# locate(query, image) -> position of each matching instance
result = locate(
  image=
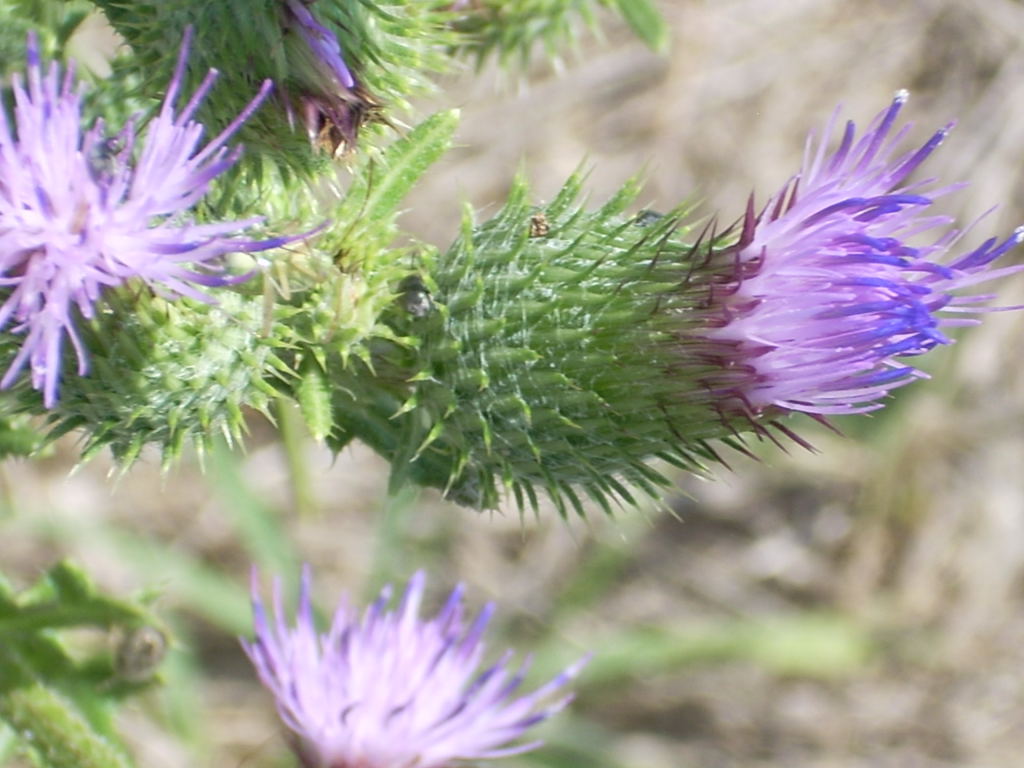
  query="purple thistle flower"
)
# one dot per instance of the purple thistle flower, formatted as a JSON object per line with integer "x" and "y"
{"x": 391, "y": 690}
{"x": 840, "y": 277}
{"x": 79, "y": 215}
{"x": 332, "y": 102}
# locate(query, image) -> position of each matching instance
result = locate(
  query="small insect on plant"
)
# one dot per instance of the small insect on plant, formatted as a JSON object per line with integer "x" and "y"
{"x": 415, "y": 296}
{"x": 539, "y": 225}
{"x": 647, "y": 217}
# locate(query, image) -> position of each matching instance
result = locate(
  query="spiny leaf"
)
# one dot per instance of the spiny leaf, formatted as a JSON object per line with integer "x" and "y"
{"x": 369, "y": 208}
{"x": 514, "y": 29}
{"x": 314, "y": 399}
{"x": 66, "y": 597}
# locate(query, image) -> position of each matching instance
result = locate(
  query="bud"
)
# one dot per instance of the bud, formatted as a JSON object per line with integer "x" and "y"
{"x": 329, "y": 99}
{"x": 334, "y": 64}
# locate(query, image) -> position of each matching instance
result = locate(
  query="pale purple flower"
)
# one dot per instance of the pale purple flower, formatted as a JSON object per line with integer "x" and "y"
{"x": 392, "y": 690}
{"x": 841, "y": 276}
{"x": 81, "y": 212}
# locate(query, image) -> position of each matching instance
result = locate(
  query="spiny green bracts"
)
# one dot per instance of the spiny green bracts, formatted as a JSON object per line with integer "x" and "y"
{"x": 167, "y": 373}
{"x": 511, "y": 29}
{"x": 546, "y": 349}
{"x": 336, "y": 64}
{"x": 182, "y": 374}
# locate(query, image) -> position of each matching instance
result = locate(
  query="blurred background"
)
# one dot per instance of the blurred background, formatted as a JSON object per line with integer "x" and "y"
{"x": 857, "y": 606}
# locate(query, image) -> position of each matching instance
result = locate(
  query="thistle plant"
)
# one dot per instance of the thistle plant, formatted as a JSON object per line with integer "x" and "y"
{"x": 554, "y": 348}
{"x": 211, "y": 232}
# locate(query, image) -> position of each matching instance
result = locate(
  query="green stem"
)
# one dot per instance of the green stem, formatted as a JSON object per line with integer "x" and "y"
{"x": 293, "y": 433}
{"x": 52, "y": 616}
{"x": 390, "y": 560}
{"x": 46, "y": 721}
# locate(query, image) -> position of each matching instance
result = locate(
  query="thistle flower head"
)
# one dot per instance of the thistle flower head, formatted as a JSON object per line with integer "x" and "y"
{"x": 331, "y": 102}
{"x": 843, "y": 275}
{"x": 82, "y": 212}
{"x": 391, "y": 690}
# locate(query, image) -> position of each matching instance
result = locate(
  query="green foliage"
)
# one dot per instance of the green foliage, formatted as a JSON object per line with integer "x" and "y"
{"x": 186, "y": 374}
{"x": 59, "y": 705}
{"x": 19, "y": 436}
{"x": 226, "y": 33}
{"x": 55, "y": 21}
{"x": 65, "y": 597}
{"x": 192, "y": 588}
{"x": 366, "y": 214}
{"x": 399, "y": 47}
{"x": 806, "y": 644}
{"x": 55, "y": 734}
{"x": 345, "y": 324}
{"x": 13, "y": 31}
{"x": 513, "y": 29}
{"x": 335, "y": 317}
{"x": 314, "y": 398}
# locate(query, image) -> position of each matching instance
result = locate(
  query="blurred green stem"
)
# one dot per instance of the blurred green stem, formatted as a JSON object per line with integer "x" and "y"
{"x": 293, "y": 434}
{"x": 47, "y": 721}
{"x": 391, "y": 561}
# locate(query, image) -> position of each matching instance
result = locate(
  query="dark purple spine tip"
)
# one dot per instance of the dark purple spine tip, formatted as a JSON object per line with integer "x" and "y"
{"x": 32, "y": 49}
